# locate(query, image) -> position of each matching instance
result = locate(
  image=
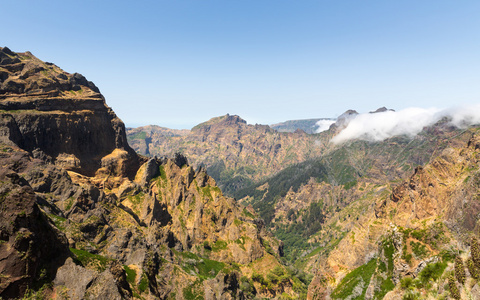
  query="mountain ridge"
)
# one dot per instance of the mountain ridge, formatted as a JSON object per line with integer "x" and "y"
{"x": 120, "y": 226}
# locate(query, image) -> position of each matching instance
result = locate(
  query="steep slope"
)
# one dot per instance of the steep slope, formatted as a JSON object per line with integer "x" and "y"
{"x": 30, "y": 247}
{"x": 235, "y": 153}
{"x": 83, "y": 217}
{"x": 405, "y": 240}
{"x": 56, "y": 116}
{"x": 347, "y": 164}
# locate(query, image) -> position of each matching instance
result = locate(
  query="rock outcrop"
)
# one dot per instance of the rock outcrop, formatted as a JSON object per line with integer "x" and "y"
{"x": 31, "y": 247}
{"x": 56, "y": 116}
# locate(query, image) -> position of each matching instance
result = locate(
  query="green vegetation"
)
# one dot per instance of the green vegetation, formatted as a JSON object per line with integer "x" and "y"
{"x": 163, "y": 174}
{"x": 247, "y": 214}
{"x": 291, "y": 177}
{"x": 139, "y": 136}
{"x": 295, "y": 235}
{"x": 143, "y": 285}
{"x": 69, "y": 204}
{"x": 228, "y": 179}
{"x": 246, "y": 285}
{"x": 454, "y": 292}
{"x": 219, "y": 245}
{"x": 431, "y": 272}
{"x": 58, "y": 221}
{"x": 472, "y": 269}
{"x": 88, "y": 259}
{"x": 358, "y": 277}
{"x": 419, "y": 249}
{"x": 131, "y": 274}
{"x": 202, "y": 267}
{"x": 460, "y": 270}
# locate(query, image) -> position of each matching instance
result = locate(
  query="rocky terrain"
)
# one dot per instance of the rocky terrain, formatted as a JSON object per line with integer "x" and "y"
{"x": 235, "y": 153}
{"x": 339, "y": 214}
{"x": 409, "y": 237}
{"x": 308, "y": 125}
{"x": 361, "y": 222}
{"x": 82, "y": 216}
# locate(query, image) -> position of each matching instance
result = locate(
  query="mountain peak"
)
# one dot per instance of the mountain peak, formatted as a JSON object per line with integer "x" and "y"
{"x": 225, "y": 120}
{"x": 41, "y": 104}
{"x": 381, "y": 109}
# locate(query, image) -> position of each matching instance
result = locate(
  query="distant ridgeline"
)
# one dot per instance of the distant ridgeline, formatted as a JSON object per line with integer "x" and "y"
{"x": 367, "y": 210}
{"x": 82, "y": 216}
{"x": 235, "y": 153}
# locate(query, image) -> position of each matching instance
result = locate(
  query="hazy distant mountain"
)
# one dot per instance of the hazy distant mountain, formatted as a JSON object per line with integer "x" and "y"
{"x": 308, "y": 125}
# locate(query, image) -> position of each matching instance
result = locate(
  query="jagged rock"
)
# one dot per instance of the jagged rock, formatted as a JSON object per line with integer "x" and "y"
{"x": 103, "y": 286}
{"x": 72, "y": 110}
{"x": 147, "y": 171}
{"x": 223, "y": 286}
{"x": 73, "y": 280}
{"x": 29, "y": 244}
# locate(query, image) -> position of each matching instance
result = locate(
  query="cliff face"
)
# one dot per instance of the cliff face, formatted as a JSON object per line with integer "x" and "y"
{"x": 30, "y": 247}
{"x": 83, "y": 217}
{"x": 57, "y": 116}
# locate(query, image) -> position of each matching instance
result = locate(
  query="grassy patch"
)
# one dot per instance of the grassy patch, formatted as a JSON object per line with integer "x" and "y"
{"x": 70, "y": 202}
{"x": 204, "y": 268}
{"x": 248, "y": 214}
{"x": 219, "y": 245}
{"x": 88, "y": 259}
{"x": 143, "y": 285}
{"x": 131, "y": 274}
{"x": 194, "y": 291}
{"x": 58, "y": 221}
{"x": 139, "y": 136}
{"x": 354, "y": 278}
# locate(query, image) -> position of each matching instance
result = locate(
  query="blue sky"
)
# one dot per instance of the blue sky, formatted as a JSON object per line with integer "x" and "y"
{"x": 178, "y": 63}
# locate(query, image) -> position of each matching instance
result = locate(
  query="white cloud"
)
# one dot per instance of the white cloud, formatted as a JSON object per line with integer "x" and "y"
{"x": 324, "y": 125}
{"x": 409, "y": 121}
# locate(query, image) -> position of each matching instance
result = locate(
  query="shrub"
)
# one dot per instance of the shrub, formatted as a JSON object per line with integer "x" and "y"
{"x": 475, "y": 249}
{"x": 459, "y": 270}
{"x": 406, "y": 283}
{"x": 246, "y": 285}
{"x": 474, "y": 272}
{"x": 431, "y": 272}
{"x": 455, "y": 293}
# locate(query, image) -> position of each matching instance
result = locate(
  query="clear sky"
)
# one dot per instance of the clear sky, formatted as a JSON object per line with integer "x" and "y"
{"x": 177, "y": 63}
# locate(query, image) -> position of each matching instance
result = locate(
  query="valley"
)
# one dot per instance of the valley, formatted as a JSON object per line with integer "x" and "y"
{"x": 227, "y": 210}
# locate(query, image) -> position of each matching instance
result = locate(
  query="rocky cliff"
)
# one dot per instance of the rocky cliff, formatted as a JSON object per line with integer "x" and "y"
{"x": 235, "y": 153}
{"x": 56, "y": 116}
{"x": 84, "y": 217}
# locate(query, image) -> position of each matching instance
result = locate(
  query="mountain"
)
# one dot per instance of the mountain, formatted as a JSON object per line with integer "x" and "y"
{"x": 412, "y": 239}
{"x": 333, "y": 214}
{"x": 235, "y": 153}
{"x": 82, "y": 216}
{"x": 359, "y": 220}
{"x": 310, "y": 126}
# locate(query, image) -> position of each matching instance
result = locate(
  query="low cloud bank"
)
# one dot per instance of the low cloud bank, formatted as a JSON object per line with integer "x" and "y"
{"x": 324, "y": 125}
{"x": 409, "y": 121}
